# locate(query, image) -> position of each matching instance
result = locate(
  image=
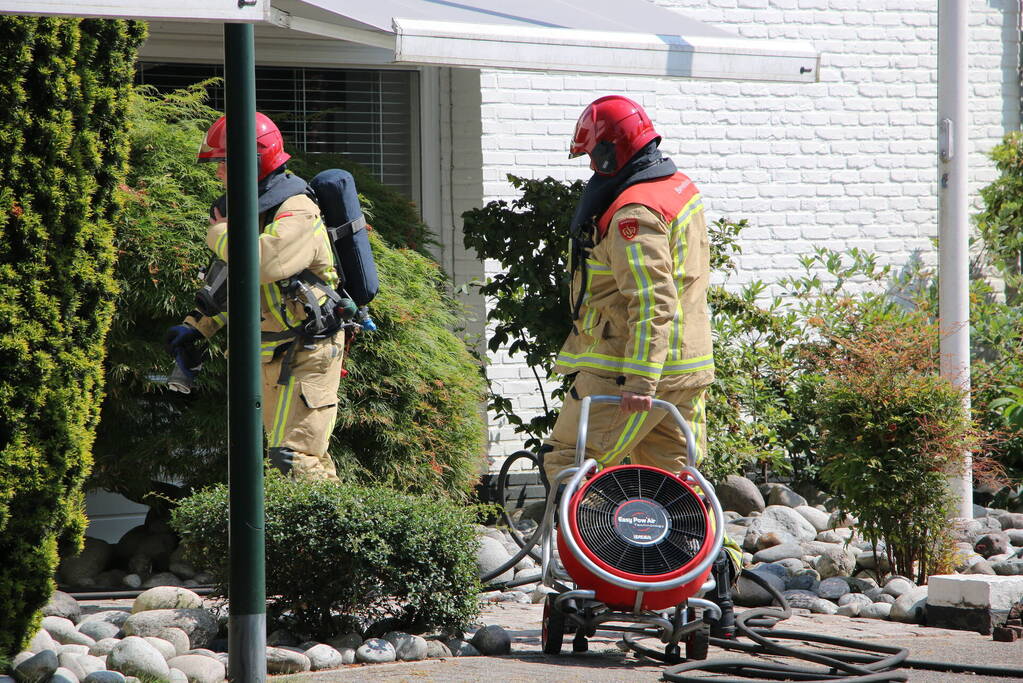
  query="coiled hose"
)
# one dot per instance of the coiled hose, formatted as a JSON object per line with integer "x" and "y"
{"x": 861, "y": 663}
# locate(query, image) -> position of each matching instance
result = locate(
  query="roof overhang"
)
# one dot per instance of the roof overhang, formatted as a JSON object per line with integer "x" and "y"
{"x": 632, "y": 37}
{"x": 243, "y": 11}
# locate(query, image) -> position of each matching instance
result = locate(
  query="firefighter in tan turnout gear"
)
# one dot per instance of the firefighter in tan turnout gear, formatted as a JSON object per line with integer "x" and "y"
{"x": 641, "y": 325}
{"x": 300, "y": 375}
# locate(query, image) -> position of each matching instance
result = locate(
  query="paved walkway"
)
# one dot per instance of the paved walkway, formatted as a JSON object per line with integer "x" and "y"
{"x": 605, "y": 663}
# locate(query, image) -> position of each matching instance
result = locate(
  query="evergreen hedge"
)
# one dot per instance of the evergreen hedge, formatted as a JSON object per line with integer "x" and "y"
{"x": 64, "y": 84}
{"x": 408, "y": 415}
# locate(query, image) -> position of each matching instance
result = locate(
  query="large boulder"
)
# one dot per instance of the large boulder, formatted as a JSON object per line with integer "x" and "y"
{"x": 818, "y": 518}
{"x": 834, "y": 561}
{"x": 200, "y": 626}
{"x": 64, "y": 632}
{"x": 199, "y": 668}
{"x": 1011, "y": 520}
{"x": 749, "y": 593}
{"x": 780, "y": 518}
{"x": 37, "y": 667}
{"x": 783, "y": 495}
{"x": 81, "y": 569}
{"x": 994, "y": 543}
{"x": 779, "y": 552}
{"x": 911, "y": 606}
{"x": 490, "y": 556}
{"x": 322, "y": 656}
{"x": 133, "y": 656}
{"x": 63, "y": 605}
{"x": 282, "y": 660}
{"x": 166, "y": 597}
{"x": 407, "y": 647}
{"x": 492, "y": 640}
{"x": 740, "y": 494}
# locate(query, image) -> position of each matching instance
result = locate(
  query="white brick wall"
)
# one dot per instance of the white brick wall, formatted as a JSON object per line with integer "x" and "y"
{"x": 849, "y": 161}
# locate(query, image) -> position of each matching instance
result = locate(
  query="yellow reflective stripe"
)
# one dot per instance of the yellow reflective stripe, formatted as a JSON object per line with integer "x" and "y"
{"x": 284, "y": 398}
{"x": 699, "y": 424}
{"x": 645, "y": 291}
{"x": 272, "y": 295}
{"x": 220, "y": 247}
{"x": 597, "y": 267}
{"x": 591, "y": 313}
{"x": 613, "y": 363}
{"x": 679, "y": 253}
{"x": 626, "y": 438}
{"x": 687, "y": 365}
{"x": 221, "y": 318}
{"x": 330, "y": 275}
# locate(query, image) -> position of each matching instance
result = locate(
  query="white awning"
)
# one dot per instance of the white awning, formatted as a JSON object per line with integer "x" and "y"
{"x": 244, "y": 11}
{"x": 597, "y": 36}
{"x": 632, "y": 37}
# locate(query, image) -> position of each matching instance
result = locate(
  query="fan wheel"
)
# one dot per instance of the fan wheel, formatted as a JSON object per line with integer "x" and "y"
{"x": 552, "y": 630}
{"x": 697, "y": 643}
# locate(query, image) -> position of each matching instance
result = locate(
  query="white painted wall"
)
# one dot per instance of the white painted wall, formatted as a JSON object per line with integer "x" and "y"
{"x": 849, "y": 161}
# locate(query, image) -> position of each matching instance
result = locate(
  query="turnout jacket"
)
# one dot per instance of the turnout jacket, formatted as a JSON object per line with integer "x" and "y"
{"x": 644, "y": 319}
{"x": 294, "y": 239}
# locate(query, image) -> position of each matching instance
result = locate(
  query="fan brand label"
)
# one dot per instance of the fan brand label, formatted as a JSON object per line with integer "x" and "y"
{"x": 641, "y": 521}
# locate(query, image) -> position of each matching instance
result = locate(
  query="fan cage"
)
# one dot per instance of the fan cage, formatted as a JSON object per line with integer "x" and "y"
{"x": 666, "y": 496}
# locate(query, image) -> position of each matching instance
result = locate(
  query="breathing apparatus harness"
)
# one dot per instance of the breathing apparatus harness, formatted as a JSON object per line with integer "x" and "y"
{"x": 327, "y": 311}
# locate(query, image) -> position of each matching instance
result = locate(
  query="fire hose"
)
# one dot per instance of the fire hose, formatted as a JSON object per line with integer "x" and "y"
{"x": 860, "y": 663}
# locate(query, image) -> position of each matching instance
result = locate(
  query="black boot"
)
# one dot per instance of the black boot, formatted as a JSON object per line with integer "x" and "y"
{"x": 722, "y": 572}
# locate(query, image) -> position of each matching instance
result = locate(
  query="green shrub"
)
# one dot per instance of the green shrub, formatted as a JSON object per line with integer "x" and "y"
{"x": 1001, "y": 222}
{"x": 63, "y": 84}
{"x": 892, "y": 433}
{"x": 409, "y": 414}
{"x": 147, "y": 433}
{"x": 409, "y": 409}
{"x": 339, "y": 557}
{"x": 529, "y": 308}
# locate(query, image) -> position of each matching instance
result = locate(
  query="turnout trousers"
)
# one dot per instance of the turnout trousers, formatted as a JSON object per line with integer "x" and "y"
{"x": 652, "y": 438}
{"x": 299, "y": 415}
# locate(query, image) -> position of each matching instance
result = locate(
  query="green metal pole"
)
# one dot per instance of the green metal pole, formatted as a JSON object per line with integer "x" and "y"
{"x": 247, "y": 625}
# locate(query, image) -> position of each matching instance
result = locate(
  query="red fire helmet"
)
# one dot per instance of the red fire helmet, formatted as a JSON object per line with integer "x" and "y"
{"x": 269, "y": 144}
{"x": 611, "y": 130}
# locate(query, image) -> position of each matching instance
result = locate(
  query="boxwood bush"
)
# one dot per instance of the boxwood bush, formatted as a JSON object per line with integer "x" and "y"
{"x": 340, "y": 557}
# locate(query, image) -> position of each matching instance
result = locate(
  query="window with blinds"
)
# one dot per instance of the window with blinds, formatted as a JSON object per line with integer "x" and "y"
{"x": 368, "y": 115}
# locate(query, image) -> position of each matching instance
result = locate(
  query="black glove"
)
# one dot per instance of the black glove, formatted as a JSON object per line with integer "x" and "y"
{"x": 181, "y": 337}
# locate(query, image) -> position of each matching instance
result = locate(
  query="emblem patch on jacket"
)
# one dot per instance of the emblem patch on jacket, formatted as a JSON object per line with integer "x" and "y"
{"x": 629, "y": 227}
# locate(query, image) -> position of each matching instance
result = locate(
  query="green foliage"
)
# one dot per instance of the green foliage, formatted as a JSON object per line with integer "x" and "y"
{"x": 529, "y": 300}
{"x": 63, "y": 84}
{"x": 1001, "y": 221}
{"x": 892, "y": 434}
{"x": 747, "y": 405}
{"x": 147, "y": 433}
{"x": 408, "y": 411}
{"x": 338, "y": 557}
